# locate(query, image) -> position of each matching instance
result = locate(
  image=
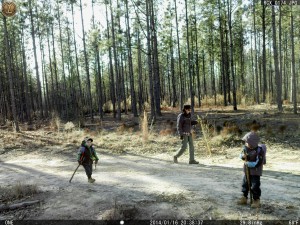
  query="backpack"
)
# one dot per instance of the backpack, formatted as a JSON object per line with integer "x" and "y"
{"x": 262, "y": 149}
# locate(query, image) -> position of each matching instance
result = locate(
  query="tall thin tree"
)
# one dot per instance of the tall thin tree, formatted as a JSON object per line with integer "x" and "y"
{"x": 10, "y": 76}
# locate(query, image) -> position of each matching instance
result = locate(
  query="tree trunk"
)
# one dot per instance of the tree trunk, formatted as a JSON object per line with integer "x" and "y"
{"x": 264, "y": 61}
{"x": 204, "y": 74}
{"x": 131, "y": 77}
{"x": 280, "y": 48}
{"x": 277, "y": 73}
{"x": 179, "y": 60}
{"x": 294, "y": 87}
{"x": 231, "y": 56}
{"x": 90, "y": 100}
{"x": 57, "y": 94}
{"x": 53, "y": 102}
{"x": 98, "y": 77}
{"x": 80, "y": 99}
{"x": 66, "y": 107}
{"x": 27, "y": 98}
{"x": 174, "y": 95}
{"x": 150, "y": 59}
{"x": 227, "y": 64}
{"x": 192, "y": 93}
{"x": 156, "y": 74}
{"x": 197, "y": 59}
{"x": 118, "y": 89}
{"x": 222, "y": 57}
{"x": 39, "y": 90}
{"x": 10, "y": 77}
{"x": 255, "y": 57}
{"x": 140, "y": 74}
{"x": 285, "y": 67}
{"x": 112, "y": 79}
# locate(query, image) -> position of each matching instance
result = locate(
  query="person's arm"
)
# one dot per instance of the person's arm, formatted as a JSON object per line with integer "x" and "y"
{"x": 80, "y": 155}
{"x": 194, "y": 122}
{"x": 256, "y": 163}
{"x": 180, "y": 125}
{"x": 95, "y": 154}
{"x": 243, "y": 154}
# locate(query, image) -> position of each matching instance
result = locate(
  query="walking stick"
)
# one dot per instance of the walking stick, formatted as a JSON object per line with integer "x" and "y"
{"x": 74, "y": 173}
{"x": 248, "y": 179}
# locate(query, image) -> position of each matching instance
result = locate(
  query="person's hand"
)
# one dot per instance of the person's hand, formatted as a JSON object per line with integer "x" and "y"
{"x": 194, "y": 123}
{"x": 181, "y": 137}
{"x": 246, "y": 157}
{"x": 96, "y": 161}
{"x": 79, "y": 162}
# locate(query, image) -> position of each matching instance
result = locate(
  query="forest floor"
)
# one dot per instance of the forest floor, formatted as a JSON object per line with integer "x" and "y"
{"x": 137, "y": 179}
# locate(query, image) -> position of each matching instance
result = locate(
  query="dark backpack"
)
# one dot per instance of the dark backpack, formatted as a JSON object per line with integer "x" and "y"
{"x": 262, "y": 149}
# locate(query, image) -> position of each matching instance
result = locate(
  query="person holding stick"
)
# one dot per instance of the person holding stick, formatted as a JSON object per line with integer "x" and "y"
{"x": 86, "y": 156}
{"x": 253, "y": 166}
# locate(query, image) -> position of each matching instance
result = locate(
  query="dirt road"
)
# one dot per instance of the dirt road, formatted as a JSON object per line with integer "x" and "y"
{"x": 130, "y": 186}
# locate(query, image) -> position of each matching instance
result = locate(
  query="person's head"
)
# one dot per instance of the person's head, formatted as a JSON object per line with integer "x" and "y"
{"x": 251, "y": 140}
{"x": 88, "y": 141}
{"x": 187, "y": 109}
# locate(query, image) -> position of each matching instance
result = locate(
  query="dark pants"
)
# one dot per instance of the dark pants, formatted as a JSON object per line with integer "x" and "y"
{"x": 255, "y": 186}
{"x": 88, "y": 169}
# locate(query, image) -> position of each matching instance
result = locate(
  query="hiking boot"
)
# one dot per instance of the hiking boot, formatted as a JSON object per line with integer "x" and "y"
{"x": 91, "y": 180}
{"x": 255, "y": 204}
{"x": 242, "y": 201}
{"x": 175, "y": 159}
{"x": 193, "y": 162}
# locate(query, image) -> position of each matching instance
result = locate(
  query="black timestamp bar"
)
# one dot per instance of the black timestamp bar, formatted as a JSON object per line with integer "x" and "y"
{"x": 280, "y": 2}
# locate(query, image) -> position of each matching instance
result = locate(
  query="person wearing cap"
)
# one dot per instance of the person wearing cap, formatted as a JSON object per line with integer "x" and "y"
{"x": 254, "y": 161}
{"x": 86, "y": 156}
{"x": 184, "y": 128}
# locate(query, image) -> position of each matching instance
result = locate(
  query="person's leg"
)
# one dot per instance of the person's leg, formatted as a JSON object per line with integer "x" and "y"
{"x": 183, "y": 147}
{"x": 191, "y": 148}
{"x": 245, "y": 189}
{"x": 91, "y": 168}
{"x": 255, "y": 187}
{"x": 88, "y": 170}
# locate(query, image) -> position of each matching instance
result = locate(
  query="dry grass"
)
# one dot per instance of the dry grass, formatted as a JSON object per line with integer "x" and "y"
{"x": 231, "y": 129}
{"x": 119, "y": 138}
{"x": 205, "y": 132}
{"x": 167, "y": 132}
{"x": 178, "y": 198}
{"x": 69, "y": 126}
{"x": 17, "y": 191}
{"x": 55, "y": 122}
{"x": 145, "y": 129}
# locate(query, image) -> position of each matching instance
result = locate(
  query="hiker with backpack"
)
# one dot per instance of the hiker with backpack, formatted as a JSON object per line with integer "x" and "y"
{"x": 184, "y": 129}
{"x": 86, "y": 156}
{"x": 254, "y": 156}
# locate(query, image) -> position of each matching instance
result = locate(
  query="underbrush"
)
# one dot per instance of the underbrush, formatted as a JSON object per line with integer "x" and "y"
{"x": 17, "y": 191}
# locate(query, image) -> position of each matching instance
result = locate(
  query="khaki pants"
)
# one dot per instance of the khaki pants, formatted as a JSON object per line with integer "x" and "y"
{"x": 186, "y": 139}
